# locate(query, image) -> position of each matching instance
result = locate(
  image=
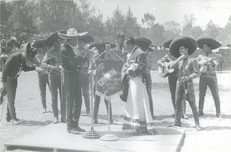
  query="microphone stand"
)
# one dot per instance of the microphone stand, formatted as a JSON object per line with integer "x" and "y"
{"x": 92, "y": 134}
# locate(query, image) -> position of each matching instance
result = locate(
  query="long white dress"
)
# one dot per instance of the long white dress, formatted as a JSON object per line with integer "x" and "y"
{"x": 137, "y": 117}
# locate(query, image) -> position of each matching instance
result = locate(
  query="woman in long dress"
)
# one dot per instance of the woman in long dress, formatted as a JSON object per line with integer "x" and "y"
{"x": 137, "y": 117}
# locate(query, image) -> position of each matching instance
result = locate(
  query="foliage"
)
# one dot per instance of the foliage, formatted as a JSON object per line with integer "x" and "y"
{"x": 43, "y": 17}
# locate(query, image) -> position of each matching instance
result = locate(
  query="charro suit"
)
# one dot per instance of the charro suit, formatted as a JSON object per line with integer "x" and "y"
{"x": 11, "y": 70}
{"x": 50, "y": 62}
{"x": 71, "y": 63}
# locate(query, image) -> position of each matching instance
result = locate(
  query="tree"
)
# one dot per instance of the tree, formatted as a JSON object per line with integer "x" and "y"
{"x": 212, "y": 30}
{"x": 225, "y": 33}
{"x": 118, "y": 18}
{"x": 156, "y": 34}
{"x": 54, "y": 15}
{"x": 148, "y": 20}
{"x": 131, "y": 25}
{"x": 196, "y": 32}
{"x": 21, "y": 22}
{"x": 6, "y": 10}
{"x": 188, "y": 24}
{"x": 172, "y": 30}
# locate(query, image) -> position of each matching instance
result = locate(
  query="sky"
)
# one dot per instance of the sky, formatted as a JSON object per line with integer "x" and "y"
{"x": 170, "y": 10}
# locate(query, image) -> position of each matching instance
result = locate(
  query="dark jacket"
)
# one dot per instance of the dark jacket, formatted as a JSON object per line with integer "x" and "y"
{"x": 14, "y": 64}
{"x": 70, "y": 61}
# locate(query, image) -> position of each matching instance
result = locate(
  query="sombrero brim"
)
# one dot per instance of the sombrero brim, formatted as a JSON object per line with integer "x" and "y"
{"x": 64, "y": 35}
{"x": 175, "y": 45}
{"x": 87, "y": 38}
{"x": 143, "y": 42}
{"x": 213, "y": 43}
{"x": 167, "y": 44}
{"x": 53, "y": 37}
{"x": 39, "y": 44}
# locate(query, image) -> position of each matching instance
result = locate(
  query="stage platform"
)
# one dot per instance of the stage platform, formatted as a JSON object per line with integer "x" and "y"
{"x": 55, "y": 137}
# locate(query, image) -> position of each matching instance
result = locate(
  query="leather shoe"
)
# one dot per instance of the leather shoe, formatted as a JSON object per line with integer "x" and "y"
{"x": 198, "y": 128}
{"x": 218, "y": 114}
{"x": 201, "y": 113}
{"x": 79, "y": 129}
{"x": 175, "y": 124}
{"x": 95, "y": 121}
{"x": 15, "y": 122}
{"x": 63, "y": 120}
{"x": 55, "y": 120}
{"x": 44, "y": 110}
{"x": 72, "y": 131}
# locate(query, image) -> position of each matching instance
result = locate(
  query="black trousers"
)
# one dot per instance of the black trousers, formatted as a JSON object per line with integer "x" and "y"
{"x": 210, "y": 82}
{"x": 73, "y": 98}
{"x": 43, "y": 81}
{"x": 11, "y": 93}
{"x": 149, "y": 90}
{"x": 55, "y": 87}
{"x": 180, "y": 90}
{"x": 172, "y": 80}
{"x": 84, "y": 84}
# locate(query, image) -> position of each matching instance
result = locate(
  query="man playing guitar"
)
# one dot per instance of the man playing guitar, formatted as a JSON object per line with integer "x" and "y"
{"x": 172, "y": 74}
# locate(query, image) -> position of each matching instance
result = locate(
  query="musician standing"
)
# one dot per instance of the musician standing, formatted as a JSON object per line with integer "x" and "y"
{"x": 84, "y": 77}
{"x": 42, "y": 74}
{"x": 181, "y": 48}
{"x": 172, "y": 78}
{"x": 71, "y": 62}
{"x": 51, "y": 63}
{"x": 209, "y": 77}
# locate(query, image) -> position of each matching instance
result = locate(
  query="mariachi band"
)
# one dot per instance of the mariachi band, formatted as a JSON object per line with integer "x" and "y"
{"x": 66, "y": 66}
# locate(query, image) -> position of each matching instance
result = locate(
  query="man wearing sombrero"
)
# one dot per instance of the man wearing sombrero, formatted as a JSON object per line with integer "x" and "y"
{"x": 51, "y": 63}
{"x": 14, "y": 65}
{"x": 71, "y": 62}
{"x": 208, "y": 78}
{"x": 181, "y": 48}
{"x": 172, "y": 78}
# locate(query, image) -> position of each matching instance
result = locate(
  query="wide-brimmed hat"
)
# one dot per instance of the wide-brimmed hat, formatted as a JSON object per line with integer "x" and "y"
{"x": 143, "y": 42}
{"x": 39, "y": 43}
{"x": 71, "y": 34}
{"x": 206, "y": 40}
{"x": 52, "y": 38}
{"x": 86, "y": 38}
{"x": 167, "y": 43}
{"x": 188, "y": 42}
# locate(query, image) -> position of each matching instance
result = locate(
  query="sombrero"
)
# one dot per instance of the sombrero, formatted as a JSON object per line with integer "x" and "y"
{"x": 71, "y": 34}
{"x": 167, "y": 43}
{"x": 86, "y": 38}
{"x": 51, "y": 39}
{"x": 38, "y": 44}
{"x": 143, "y": 42}
{"x": 188, "y": 42}
{"x": 213, "y": 43}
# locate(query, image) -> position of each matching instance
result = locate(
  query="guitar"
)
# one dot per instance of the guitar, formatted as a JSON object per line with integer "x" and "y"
{"x": 204, "y": 63}
{"x": 164, "y": 71}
